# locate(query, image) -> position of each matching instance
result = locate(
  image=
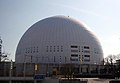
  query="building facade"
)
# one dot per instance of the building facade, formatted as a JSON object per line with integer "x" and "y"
{"x": 56, "y": 41}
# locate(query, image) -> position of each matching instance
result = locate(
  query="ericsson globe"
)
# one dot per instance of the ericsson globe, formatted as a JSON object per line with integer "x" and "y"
{"x": 59, "y": 39}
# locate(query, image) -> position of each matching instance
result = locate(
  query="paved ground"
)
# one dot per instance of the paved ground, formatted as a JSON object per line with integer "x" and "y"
{"x": 97, "y": 80}
{"x": 56, "y": 80}
{"x": 90, "y": 80}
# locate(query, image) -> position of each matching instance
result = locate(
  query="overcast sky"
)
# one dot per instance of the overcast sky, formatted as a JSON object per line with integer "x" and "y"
{"x": 102, "y": 16}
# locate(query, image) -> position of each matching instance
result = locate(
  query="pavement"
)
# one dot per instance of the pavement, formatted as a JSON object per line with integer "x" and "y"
{"x": 97, "y": 80}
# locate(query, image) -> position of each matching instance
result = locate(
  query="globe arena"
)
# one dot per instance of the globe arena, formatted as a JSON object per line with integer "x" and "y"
{"x": 57, "y": 40}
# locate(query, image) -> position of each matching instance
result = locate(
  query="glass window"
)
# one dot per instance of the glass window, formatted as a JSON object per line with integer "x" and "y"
{"x": 86, "y": 47}
{"x": 86, "y": 51}
{"x": 74, "y": 55}
{"x": 61, "y": 48}
{"x": 73, "y": 59}
{"x": 34, "y": 50}
{"x": 54, "y": 48}
{"x": 37, "y": 49}
{"x": 74, "y": 50}
{"x": 74, "y": 46}
{"x": 86, "y": 55}
{"x": 57, "y": 48}
{"x": 50, "y": 48}
{"x": 79, "y": 48}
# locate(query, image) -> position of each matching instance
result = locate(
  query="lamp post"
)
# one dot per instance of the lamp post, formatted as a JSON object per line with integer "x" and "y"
{"x": 48, "y": 70}
{"x": 59, "y": 64}
{"x": 11, "y": 67}
{"x": 81, "y": 65}
{"x": 24, "y": 67}
{"x": 36, "y": 65}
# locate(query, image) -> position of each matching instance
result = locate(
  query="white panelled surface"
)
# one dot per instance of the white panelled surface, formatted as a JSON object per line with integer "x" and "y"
{"x": 59, "y": 39}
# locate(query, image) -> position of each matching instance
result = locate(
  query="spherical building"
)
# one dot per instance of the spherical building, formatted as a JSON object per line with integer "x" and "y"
{"x": 59, "y": 40}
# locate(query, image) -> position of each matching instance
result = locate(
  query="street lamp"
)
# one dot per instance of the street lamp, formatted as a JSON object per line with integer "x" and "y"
{"x": 81, "y": 61}
{"x": 11, "y": 67}
{"x": 24, "y": 66}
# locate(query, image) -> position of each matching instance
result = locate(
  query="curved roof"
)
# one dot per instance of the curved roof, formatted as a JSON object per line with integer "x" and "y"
{"x": 59, "y": 30}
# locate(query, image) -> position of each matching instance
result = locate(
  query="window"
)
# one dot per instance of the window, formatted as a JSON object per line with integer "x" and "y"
{"x": 61, "y": 48}
{"x": 74, "y": 46}
{"x": 74, "y": 50}
{"x": 54, "y": 49}
{"x": 86, "y": 55}
{"x": 57, "y": 48}
{"x": 34, "y": 50}
{"x": 86, "y": 47}
{"x": 31, "y": 50}
{"x": 74, "y": 55}
{"x": 86, "y": 51}
{"x": 82, "y": 49}
{"x": 73, "y": 59}
{"x": 50, "y": 48}
{"x": 37, "y": 49}
{"x": 79, "y": 48}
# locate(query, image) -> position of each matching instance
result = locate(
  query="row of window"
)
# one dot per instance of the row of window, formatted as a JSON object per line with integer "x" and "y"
{"x": 85, "y": 60}
{"x": 54, "y": 48}
{"x": 85, "y": 47}
{"x": 76, "y": 55}
{"x": 32, "y": 50}
{"x": 85, "y": 51}
{"x": 86, "y": 55}
{"x": 74, "y": 46}
{"x": 73, "y": 59}
{"x": 74, "y": 50}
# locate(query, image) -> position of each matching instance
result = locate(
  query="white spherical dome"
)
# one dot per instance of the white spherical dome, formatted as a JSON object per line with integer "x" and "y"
{"x": 59, "y": 39}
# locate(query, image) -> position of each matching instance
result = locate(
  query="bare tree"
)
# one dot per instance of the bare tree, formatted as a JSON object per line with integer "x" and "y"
{"x": 110, "y": 59}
